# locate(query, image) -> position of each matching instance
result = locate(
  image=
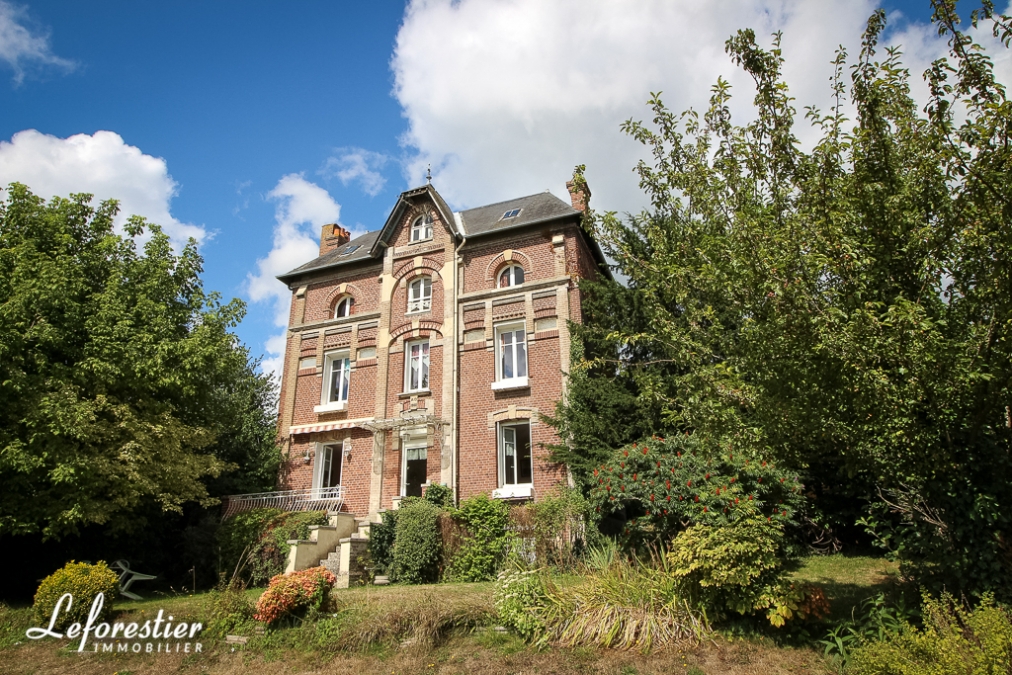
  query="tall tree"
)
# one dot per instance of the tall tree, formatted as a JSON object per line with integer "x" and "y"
{"x": 121, "y": 385}
{"x": 849, "y": 306}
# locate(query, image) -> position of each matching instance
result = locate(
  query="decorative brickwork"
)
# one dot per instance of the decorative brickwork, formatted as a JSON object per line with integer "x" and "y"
{"x": 426, "y": 401}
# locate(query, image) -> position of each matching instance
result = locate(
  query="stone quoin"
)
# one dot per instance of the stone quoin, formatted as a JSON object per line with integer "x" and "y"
{"x": 423, "y": 352}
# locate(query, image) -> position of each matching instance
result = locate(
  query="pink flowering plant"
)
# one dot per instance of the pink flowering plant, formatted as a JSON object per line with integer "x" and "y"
{"x": 662, "y": 486}
{"x": 290, "y": 595}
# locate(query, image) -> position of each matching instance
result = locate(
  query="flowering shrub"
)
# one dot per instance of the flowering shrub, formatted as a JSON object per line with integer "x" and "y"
{"x": 664, "y": 485}
{"x": 290, "y": 593}
{"x": 83, "y": 582}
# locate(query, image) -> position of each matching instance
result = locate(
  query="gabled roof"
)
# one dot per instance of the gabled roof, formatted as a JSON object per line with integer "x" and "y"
{"x": 533, "y": 209}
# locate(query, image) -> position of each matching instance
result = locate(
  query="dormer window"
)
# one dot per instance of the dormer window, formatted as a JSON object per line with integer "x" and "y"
{"x": 420, "y": 295}
{"x": 343, "y": 308}
{"x": 421, "y": 229}
{"x": 512, "y": 275}
{"x": 512, "y": 213}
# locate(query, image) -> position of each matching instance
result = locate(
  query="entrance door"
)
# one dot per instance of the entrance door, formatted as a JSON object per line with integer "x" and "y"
{"x": 328, "y": 468}
{"x": 415, "y": 470}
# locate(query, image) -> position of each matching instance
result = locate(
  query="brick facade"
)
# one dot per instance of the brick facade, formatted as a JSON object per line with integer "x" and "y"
{"x": 386, "y": 438}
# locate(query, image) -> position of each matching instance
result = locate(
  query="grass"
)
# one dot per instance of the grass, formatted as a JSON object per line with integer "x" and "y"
{"x": 847, "y": 580}
{"x": 443, "y": 629}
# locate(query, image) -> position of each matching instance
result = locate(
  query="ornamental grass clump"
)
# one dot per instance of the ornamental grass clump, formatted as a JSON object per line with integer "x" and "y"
{"x": 294, "y": 594}
{"x": 628, "y": 605}
{"x": 84, "y": 582}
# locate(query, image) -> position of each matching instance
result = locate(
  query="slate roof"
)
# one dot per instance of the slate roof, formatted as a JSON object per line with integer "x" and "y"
{"x": 534, "y": 209}
{"x": 337, "y": 256}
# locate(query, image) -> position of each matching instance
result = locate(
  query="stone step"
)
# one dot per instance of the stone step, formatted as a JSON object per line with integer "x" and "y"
{"x": 381, "y": 580}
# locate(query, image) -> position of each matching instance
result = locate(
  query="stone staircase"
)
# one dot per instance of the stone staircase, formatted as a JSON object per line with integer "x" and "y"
{"x": 338, "y": 546}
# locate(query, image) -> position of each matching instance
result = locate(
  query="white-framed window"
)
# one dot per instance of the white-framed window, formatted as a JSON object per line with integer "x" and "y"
{"x": 336, "y": 378}
{"x": 414, "y": 466}
{"x": 511, "y": 356}
{"x": 421, "y": 229}
{"x": 327, "y": 474}
{"x": 420, "y": 295}
{"x": 516, "y": 461}
{"x": 416, "y": 366}
{"x": 343, "y": 308}
{"x": 512, "y": 275}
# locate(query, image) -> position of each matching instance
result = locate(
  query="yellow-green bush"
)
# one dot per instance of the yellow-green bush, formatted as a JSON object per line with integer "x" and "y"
{"x": 954, "y": 640}
{"x": 83, "y": 582}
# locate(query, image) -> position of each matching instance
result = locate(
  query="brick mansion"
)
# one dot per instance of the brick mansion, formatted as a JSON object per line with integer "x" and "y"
{"x": 424, "y": 352}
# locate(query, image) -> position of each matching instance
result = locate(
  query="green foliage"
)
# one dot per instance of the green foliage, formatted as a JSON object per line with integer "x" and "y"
{"x": 255, "y": 542}
{"x": 662, "y": 485}
{"x": 417, "y": 546}
{"x": 13, "y": 624}
{"x": 735, "y": 565}
{"x": 231, "y": 612}
{"x": 440, "y": 495}
{"x": 878, "y": 619}
{"x": 520, "y": 598}
{"x": 84, "y": 582}
{"x": 610, "y": 401}
{"x": 846, "y": 309}
{"x": 624, "y": 606}
{"x": 381, "y": 542}
{"x": 558, "y": 523}
{"x": 486, "y": 542}
{"x": 953, "y": 640}
{"x": 123, "y": 389}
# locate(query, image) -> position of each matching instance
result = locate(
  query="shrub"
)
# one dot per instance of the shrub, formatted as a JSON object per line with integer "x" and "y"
{"x": 381, "y": 542}
{"x": 737, "y": 565}
{"x": 520, "y": 598}
{"x": 231, "y": 612}
{"x": 662, "y": 485}
{"x": 84, "y": 582}
{"x": 954, "y": 640}
{"x": 439, "y": 495}
{"x": 626, "y": 605}
{"x": 290, "y": 594}
{"x": 551, "y": 531}
{"x": 255, "y": 542}
{"x": 417, "y": 546}
{"x": 485, "y": 543}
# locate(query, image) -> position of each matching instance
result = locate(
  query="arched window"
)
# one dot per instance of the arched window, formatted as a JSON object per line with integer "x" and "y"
{"x": 512, "y": 275}
{"x": 420, "y": 295}
{"x": 343, "y": 307}
{"x": 421, "y": 229}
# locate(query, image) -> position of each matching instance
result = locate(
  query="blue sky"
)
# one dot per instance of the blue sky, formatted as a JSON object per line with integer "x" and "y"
{"x": 250, "y": 124}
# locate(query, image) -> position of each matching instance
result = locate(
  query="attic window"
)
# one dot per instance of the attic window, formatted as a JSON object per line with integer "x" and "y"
{"x": 351, "y": 249}
{"x": 512, "y": 213}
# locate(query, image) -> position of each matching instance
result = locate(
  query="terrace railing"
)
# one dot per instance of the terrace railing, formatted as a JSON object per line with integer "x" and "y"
{"x": 308, "y": 499}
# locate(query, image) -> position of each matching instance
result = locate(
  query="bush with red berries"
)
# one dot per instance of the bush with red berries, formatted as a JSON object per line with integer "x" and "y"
{"x": 662, "y": 486}
{"x": 294, "y": 594}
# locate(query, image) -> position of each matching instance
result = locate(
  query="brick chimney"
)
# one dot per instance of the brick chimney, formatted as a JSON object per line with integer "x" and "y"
{"x": 332, "y": 236}
{"x": 579, "y": 193}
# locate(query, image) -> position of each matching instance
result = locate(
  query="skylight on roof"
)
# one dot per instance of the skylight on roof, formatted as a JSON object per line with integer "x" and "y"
{"x": 512, "y": 213}
{"x": 351, "y": 249}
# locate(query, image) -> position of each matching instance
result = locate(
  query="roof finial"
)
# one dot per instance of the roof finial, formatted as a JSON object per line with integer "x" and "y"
{"x": 428, "y": 175}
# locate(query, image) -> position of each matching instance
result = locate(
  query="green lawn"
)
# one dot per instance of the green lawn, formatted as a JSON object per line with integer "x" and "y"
{"x": 443, "y": 628}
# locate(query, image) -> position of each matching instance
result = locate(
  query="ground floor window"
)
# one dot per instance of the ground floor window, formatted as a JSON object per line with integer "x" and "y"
{"x": 516, "y": 462}
{"x": 414, "y": 470}
{"x": 328, "y": 467}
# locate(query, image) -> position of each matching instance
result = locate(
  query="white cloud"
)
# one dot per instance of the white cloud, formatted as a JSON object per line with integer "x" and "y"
{"x": 357, "y": 164}
{"x": 303, "y": 208}
{"x": 21, "y": 48}
{"x": 504, "y": 97}
{"x": 101, "y": 164}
